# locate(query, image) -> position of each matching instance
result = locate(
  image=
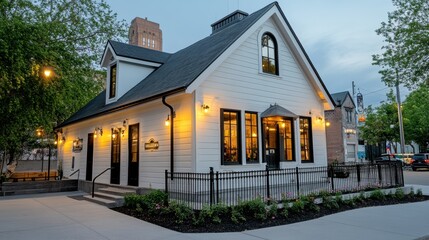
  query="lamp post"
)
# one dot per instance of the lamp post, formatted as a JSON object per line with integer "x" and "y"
{"x": 401, "y": 124}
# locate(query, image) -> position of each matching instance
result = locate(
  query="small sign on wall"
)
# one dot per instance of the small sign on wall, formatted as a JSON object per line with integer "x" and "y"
{"x": 151, "y": 145}
{"x": 77, "y": 145}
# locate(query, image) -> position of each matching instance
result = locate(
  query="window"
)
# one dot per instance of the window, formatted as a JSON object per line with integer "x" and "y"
{"x": 116, "y": 144}
{"x": 286, "y": 140}
{"x": 112, "y": 92}
{"x": 230, "y": 134}
{"x": 306, "y": 139}
{"x": 144, "y": 41}
{"x": 252, "y": 148}
{"x": 349, "y": 115}
{"x": 269, "y": 54}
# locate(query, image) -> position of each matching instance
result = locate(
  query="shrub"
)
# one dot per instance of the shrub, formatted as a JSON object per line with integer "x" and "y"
{"x": 377, "y": 195}
{"x": 297, "y": 206}
{"x": 272, "y": 210}
{"x": 399, "y": 194}
{"x": 411, "y": 194}
{"x": 252, "y": 208}
{"x": 237, "y": 216}
{"x": 132, "y": 200}
{"x": 212, "y": 213}
{"x": 181, "y": 211}
{"x": 330, "y": 202}
{"x": 419, "y": 193}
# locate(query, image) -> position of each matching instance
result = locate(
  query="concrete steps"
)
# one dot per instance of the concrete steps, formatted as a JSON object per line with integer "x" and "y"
{"x": 110, "y": 196}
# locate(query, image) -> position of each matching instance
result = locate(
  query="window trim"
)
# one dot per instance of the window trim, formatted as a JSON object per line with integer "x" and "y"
{"x": 222, "y": 136}
{"x": 276, "y": 55}
{"x": 257, "y": 137}
{"x": 310, "y": 140}
{"x": 112, "y": 94}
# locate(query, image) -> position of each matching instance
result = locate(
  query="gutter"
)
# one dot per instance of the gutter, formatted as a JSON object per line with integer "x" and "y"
{"x": 171, "y": 135}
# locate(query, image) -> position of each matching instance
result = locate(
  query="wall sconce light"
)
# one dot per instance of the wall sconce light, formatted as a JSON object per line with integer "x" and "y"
{"x": 205, "y": 108}
{"x": 167, "y": 121}
{"x": 98, "y": 131}
{"x": 328, "y": 123}
{"x": 125, "y": 123}
{"x": 115, "y": 132}
{"x": 319, "y": 119}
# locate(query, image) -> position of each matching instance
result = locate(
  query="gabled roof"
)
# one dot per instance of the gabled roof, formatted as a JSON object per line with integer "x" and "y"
{"x": 139, "y": 53}
{"x": 177, "y": 71}
{"x": 340, "y": 97}
{"x": 278, "y": 111}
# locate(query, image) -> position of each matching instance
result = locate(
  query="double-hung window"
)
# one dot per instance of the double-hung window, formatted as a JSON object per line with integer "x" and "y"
{"x": 230, "y": 137}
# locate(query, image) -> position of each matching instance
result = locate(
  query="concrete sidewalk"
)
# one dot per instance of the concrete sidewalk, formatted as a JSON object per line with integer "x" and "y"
{"x": 59, "y": 216}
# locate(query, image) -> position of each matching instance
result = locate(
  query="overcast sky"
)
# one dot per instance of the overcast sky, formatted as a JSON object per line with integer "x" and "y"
{"x": 338, "y": 35}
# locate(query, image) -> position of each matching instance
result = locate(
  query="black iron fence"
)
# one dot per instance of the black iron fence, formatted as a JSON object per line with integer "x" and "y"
{"x": 198, "y": 189}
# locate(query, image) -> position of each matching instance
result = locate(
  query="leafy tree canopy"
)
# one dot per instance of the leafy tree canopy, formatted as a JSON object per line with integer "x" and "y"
{"x": 382, "y": 122}
{"x": 66, "y": 37}
{"x": 416, "y": 117}
{"x": 405, "y": 56}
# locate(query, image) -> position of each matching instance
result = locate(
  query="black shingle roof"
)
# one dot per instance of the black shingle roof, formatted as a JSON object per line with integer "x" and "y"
{"x": 178, "y": 70}
{"x": 340, "y": 97}
{"x": 139, "y": 53}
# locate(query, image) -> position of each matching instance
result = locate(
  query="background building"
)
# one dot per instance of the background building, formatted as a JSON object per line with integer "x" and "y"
{"x": 341, "y": 137}
{"x": 145, "y": 33}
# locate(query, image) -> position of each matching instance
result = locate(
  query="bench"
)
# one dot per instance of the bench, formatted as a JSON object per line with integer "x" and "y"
{"x": 32, "y": 176}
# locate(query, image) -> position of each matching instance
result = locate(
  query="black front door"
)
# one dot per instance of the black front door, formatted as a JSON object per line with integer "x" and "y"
{"x": 271, "y": 143}
{"x": 133, "y": 155}
{"x": 89, "y": 157}
{"x": 115, "y": 162}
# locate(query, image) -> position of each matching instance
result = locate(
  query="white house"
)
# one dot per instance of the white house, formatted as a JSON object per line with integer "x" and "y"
{"x": 242, "y": 98}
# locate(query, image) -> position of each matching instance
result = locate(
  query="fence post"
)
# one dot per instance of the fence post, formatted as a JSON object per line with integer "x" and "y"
{"x": 358, "y": 174}
{"x": 379, "y": 174}
{"x": 268, "y": 182}
{"x": 297, "y": 181}
{"x": 211, "y": 186}
{"x": 166, "y": 188}
{"x": 217, "y": 187}
{"x": 331, "y": 169}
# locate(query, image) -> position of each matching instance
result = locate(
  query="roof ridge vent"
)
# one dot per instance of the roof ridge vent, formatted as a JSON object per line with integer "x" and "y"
{"x": 228, "y": 20}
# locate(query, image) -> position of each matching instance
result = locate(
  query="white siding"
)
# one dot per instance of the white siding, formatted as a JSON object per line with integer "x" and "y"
{"x": 152, "y": 164}
{"x": 128, "y": 75}
{"x": 238, "y": 84}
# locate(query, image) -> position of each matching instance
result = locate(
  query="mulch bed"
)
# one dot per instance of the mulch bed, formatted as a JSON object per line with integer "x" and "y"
{"x": 226, "y": 225}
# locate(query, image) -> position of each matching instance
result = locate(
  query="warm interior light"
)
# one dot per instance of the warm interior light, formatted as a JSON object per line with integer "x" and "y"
{"x": 328, "y": 124}
{"x": 167, "y": 121}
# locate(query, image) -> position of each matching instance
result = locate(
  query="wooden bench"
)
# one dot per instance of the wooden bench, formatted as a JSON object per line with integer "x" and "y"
{"x": 32, "y": 176}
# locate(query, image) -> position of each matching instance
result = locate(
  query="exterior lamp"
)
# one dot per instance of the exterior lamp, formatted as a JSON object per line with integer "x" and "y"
{"x": 167, "y": 121}
{"x": 98, "y": 131}
{"x": 205, "y": 108}
{"x": 328, "y": 123}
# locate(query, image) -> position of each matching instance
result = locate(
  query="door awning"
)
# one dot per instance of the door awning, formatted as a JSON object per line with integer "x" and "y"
{"x": 278, "y": 111}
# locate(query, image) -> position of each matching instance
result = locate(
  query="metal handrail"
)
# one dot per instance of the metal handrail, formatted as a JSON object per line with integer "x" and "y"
{"x": 73, "y": 173}
{"x": 93, "y": 180}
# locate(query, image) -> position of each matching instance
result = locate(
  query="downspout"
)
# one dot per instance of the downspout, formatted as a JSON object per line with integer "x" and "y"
{"x": 171, "y": 136}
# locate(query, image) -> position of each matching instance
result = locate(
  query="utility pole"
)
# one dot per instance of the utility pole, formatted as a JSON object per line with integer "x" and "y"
{"x": 401, "y": 124}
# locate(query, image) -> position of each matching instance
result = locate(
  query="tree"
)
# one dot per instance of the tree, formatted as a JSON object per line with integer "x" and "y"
{"x": 382, "y": 122}
{"x": 416, "y": 119}
{"x": 65, "y": 36}
{"x": 405, "y": 59}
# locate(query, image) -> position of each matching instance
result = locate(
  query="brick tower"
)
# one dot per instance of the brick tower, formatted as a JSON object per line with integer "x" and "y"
{"x": 145, "y": 33}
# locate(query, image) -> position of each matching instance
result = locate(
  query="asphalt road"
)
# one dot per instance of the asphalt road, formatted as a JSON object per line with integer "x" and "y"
{"x": 420, "y": 177}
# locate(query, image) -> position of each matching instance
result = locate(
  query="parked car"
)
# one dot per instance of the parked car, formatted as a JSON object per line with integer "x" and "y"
{"x": 420, "y": 160}
{"x": 406, "y": 158}
{"x": 384, "y": 158}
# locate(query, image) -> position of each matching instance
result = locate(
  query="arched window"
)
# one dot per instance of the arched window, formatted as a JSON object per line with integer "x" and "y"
{"x": 269, "y": 54}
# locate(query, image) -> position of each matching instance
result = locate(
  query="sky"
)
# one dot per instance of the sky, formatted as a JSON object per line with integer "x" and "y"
{"x": 338, "y": 35}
